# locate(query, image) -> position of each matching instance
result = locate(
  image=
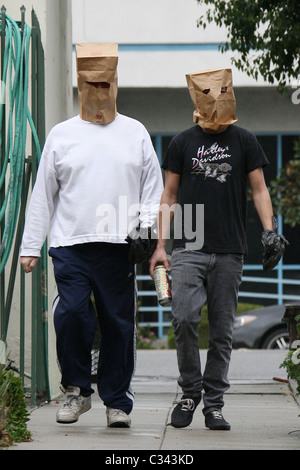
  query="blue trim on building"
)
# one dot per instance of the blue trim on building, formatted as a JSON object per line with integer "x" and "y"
{"x": 169, "y": 47}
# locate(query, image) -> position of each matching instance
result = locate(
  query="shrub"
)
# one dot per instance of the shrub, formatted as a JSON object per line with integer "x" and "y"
{"x": 13, "y": 410}
{"x": 291, "y": 364}
{"x": 144, "y": 337}
{"x": 292, "y": 360}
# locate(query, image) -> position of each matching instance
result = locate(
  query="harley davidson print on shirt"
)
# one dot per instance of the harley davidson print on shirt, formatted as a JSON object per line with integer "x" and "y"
{"x": 204, "y": 162}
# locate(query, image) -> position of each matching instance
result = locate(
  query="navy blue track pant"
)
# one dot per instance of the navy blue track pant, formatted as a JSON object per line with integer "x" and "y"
{"x": 101, "y": 269}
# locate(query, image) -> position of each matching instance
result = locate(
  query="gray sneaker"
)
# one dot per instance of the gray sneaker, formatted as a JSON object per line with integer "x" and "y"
{"x": 74, "y": 406}
{"x": 117, "y": 418}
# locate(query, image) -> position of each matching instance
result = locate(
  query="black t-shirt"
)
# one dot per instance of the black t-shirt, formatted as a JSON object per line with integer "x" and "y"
{"x": 213, "y": 169}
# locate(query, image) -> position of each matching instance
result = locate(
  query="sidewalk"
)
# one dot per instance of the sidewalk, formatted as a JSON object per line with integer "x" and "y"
{"x": 262, "y": 411}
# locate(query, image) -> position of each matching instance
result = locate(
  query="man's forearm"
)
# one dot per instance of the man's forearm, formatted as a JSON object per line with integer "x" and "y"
{"x": 261, "y": 198}
{"x": 263, "y": 206}
{"x": 166, "y": 216}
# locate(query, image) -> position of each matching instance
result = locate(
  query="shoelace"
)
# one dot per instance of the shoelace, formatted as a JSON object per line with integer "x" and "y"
{"x": 187, "y": 404}
{"x": 117, "y": 412}
{"x": 217, "y": 414}
{"x": 71, "y": 402}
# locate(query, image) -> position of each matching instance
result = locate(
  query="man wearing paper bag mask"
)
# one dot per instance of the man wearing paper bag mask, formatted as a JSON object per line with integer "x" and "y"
{"x": 97, "y": 82}
{"x": 210, "y": 164}
{"x": 98, "y": 180}
{"x": 213, "y": 97}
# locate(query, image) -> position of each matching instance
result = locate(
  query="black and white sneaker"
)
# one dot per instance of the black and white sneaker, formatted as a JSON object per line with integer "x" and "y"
{"x": 215, "y": 421}
{"x": 183, "y": 412}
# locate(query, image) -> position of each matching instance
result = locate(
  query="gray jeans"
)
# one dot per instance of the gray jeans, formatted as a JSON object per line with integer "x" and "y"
{"x": 199, "y": 278}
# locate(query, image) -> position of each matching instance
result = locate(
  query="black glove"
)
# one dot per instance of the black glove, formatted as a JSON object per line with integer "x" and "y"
{"x": 142, "y": 244}
{"x": 273, "y": 246}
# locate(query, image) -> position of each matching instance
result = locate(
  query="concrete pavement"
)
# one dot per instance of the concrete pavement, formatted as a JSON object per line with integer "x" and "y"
{"x": 263, "y": 413}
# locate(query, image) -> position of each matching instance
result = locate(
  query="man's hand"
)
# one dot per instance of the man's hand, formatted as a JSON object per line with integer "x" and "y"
{"x": 159, "y": 256}
{"x": 273, "y": 247}
{"x": 28, "y": 263}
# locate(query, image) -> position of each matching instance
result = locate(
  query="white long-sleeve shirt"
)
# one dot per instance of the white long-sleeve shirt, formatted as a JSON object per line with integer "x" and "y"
{"x": 95, "y": 183}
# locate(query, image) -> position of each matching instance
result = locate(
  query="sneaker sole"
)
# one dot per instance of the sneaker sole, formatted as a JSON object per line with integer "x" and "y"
{"x": 61, "y": 421}
{"x": 179, "y": 426}
{"x": 219, "y": 428}
{"x": 120, "y": 424}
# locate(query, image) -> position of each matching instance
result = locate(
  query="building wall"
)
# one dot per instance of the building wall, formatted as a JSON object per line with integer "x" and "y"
{"x": 140, "y": 22}
{"x": 159, "y": 42}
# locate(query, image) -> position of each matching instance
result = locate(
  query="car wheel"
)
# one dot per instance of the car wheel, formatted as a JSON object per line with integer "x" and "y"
{"x": 278, "y": 339}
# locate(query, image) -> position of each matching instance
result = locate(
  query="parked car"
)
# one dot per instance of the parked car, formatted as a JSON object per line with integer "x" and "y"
{"x": 261, "y": 328}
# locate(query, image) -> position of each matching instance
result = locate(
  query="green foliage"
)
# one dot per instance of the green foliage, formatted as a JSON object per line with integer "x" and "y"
{"x": 145, "y": 337}
{"x": 265, "y": 34}
{"x": 285, "y": 190}
{"x": 292, "y": 366}
{"x": 291, "y": 362}
{"x": 204, "y": 327}
{"x": 297, "y": 318}
{"x": 13, "y": 410}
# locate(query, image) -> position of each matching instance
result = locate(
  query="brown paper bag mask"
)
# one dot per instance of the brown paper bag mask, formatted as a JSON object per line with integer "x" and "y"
{"x": 97, "y": 81}
{"x": 212, "y": 94}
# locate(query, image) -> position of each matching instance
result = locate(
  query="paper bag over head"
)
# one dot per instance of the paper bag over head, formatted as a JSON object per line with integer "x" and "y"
{"x": 97, "y": 81}
{"x": 213, "y": 97}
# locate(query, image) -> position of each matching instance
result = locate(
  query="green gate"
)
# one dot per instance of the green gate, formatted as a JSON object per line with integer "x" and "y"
{"x": 22, "y": 137}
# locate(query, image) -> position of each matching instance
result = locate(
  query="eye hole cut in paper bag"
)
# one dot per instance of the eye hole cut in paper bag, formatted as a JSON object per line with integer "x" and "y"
{"x": 212, "y": 94}
{"x": 97, "y": 81}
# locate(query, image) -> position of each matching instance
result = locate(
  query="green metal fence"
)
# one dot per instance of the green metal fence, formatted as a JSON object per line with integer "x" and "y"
{"x": 22, "y": 76}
